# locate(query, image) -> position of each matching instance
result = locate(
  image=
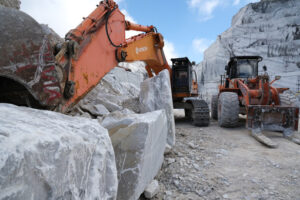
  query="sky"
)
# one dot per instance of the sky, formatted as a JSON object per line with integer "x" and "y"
{"x": 188, "y": 26}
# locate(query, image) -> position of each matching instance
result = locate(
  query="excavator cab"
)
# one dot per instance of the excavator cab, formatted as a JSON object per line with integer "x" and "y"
{"x": 182, "y": 79}
{"x": 185, "y": 92}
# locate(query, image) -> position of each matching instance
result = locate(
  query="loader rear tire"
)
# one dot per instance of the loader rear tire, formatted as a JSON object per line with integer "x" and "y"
{"x": 228, "y": 109}
{"x": 287, "y": 98}
{"x": 214, "y": 107}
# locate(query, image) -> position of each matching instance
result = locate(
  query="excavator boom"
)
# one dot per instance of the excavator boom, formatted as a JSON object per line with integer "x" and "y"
{"x": 90, "y": 51}
{"x": 148, "y": 48}
{"x": 37, "y": 73}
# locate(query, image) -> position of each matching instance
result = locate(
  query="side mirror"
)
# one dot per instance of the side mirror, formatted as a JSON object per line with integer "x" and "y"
{"x": 277, "y": 78}
{"x": 226, "y": 67}
{"x": 193, "y": 63}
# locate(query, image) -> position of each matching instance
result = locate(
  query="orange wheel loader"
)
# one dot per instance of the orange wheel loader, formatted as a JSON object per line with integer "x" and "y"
{"x": 36, "y": 73}
{"x": 243, "y": 91}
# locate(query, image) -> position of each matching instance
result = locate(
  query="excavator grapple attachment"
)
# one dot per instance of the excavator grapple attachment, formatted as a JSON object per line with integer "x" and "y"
{"x": 28, "y": 74}
{"x": 273, "y": 118}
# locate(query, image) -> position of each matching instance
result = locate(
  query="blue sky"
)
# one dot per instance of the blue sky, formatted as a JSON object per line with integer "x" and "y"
{"x": 188, "y": 26}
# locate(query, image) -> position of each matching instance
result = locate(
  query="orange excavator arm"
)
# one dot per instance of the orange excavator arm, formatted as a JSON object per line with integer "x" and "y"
{"x": 98, "y": 44}
{"x": 35, "y": 73}
{"x": 89, "y": 51}
{"x": 147, "y": 47}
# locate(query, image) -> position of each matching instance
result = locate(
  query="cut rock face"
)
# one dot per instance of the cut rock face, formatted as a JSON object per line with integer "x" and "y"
{"x": 267, "y": 28}
{"x": 139, "y": 142}
{"x": 47, "y": 155}
{"x": 11, "y": 3}
{"x": 96, "y": 110}
{"x": 119, "y": 89}
{"x": 156, "y": 94}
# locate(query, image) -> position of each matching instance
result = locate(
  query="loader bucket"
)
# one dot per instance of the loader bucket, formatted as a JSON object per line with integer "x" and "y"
{"x": 273, "y": 118}
{"x": 28, "y": 74}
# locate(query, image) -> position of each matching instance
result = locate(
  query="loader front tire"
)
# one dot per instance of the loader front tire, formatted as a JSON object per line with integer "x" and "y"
{"x": 214, "y": 107}
{"x": 228, "y": 109}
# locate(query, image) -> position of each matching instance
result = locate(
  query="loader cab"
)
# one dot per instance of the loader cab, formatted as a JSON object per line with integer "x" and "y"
{"x": 243, "y": 67}
{"x": 181, "y": 76}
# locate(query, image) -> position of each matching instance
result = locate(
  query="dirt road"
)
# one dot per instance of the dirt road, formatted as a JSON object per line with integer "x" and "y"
{"x": 218, "y": 163}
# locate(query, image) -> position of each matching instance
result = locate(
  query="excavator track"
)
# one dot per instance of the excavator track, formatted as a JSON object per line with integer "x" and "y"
{"x": 200, "y": 112}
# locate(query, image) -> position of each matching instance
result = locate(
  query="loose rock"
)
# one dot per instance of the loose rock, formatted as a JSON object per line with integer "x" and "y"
{"x": 96, "y": 110}
{"x": 152, "y": 189}
{"x": 156, "y": 94}
{"x": 48, "y": 155}
{"x": 139, "y": 142}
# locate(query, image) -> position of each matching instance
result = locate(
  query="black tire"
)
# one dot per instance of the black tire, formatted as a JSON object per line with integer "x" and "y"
{"x": 214, "y": 107}
{"x": 200, "y": 113}
{"x": 288, "y": 98}
{"x": 188, "y": 113}
{"x": 228, "y": 109}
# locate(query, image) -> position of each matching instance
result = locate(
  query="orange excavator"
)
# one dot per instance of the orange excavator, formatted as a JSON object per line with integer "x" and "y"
{"x": 34, "y": 72}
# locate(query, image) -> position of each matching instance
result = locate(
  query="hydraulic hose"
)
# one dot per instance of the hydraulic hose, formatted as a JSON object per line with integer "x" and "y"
{"x": 107, "y": 17}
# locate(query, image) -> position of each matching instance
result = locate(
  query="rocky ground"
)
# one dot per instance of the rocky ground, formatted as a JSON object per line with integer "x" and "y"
{"x": 218, "y": 163}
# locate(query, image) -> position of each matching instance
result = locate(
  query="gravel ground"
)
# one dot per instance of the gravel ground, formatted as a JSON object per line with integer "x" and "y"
{"x": 218, "y": 163}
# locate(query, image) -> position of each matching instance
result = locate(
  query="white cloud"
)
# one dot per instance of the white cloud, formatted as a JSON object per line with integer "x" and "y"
{"x": 201, "y": 44}
{"x": 169, "y": 51}
{"x": 252, "y": 1}
{"x": 236, "y": 2}
{"x": 61, "y": 16}
{"x": 209, "y": 6}
{"x": 205, "y": 8}
{"x": 118, "y": 1}
{"x": 128, "y": 17}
